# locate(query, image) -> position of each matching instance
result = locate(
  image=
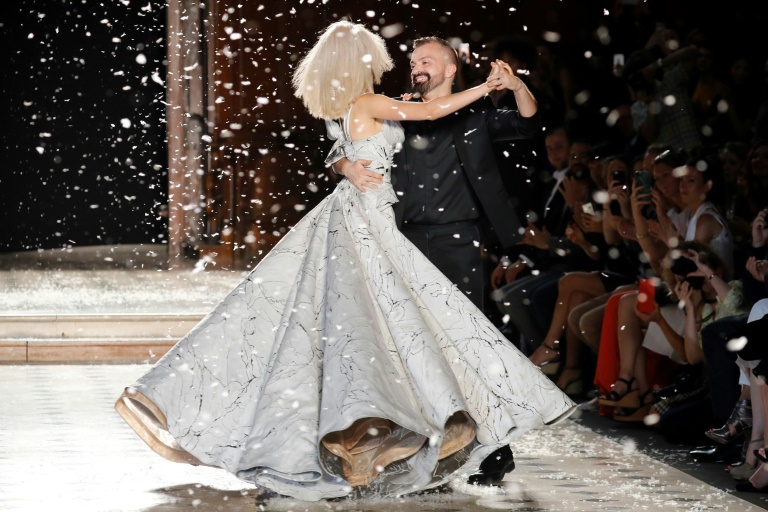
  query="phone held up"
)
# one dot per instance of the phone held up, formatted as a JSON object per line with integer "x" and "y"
{"x": 464, "y": 52}
{"x": 617, "y": 178}
{"x": 644, "y": 182}
{"x": 646, "y": 295}
{"x": 618, "y": 64}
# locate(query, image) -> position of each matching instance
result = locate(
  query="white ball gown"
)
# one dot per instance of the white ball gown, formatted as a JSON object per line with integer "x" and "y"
{"x": 344, "y": 362}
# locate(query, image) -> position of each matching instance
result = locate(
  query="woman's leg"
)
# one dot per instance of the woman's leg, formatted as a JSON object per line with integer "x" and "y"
{"x": 608, "y": 357}
{"x": 586, "y": 320}
{"x": 572, "y": 370}
{"x": 573, "y": 289}
{"x": 630, "y": 340}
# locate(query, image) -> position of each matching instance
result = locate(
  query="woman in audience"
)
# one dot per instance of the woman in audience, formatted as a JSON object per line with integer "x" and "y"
{"x": 705, "y": 296}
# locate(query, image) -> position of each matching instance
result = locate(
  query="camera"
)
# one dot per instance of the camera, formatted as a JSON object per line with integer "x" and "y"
{"x": 683, "y": 266}
{"x": 619, "y": 178}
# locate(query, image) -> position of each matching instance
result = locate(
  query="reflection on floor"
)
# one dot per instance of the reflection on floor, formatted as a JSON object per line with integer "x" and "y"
{"x": 62, "y": 447}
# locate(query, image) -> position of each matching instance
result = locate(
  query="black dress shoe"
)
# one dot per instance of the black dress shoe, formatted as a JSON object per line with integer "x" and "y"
{"x": 493, "y": 468}
{"x": 720, "y": 454}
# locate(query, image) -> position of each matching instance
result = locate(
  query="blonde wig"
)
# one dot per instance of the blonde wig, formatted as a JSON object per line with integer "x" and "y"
{"x": 346, "y": 61}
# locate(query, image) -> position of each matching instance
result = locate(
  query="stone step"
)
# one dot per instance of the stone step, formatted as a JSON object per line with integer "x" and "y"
{"x": 79, "y": 326}
{"x": 83, "y": 350}
{"x": 98, "y": 338}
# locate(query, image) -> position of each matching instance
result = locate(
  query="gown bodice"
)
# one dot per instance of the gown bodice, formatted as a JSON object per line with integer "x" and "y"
{"x": 379, "y": 148}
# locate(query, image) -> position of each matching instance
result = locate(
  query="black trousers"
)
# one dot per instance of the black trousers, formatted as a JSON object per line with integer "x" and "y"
{"x": 455, "y": 250}
{"x": 724, "y": 388}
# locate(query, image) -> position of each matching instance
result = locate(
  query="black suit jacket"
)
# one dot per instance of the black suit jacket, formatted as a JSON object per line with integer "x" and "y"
{"x": 476, "y": 127}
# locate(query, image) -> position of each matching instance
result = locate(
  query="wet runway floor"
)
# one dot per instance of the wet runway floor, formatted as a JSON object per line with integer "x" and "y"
{"x": 62, "y": 447}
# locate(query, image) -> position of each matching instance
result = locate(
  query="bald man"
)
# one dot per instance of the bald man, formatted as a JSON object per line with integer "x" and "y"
{"x": 447, "y": 180}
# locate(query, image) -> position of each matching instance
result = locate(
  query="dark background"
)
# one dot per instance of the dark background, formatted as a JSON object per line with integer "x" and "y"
{"x": 74, "y": 172}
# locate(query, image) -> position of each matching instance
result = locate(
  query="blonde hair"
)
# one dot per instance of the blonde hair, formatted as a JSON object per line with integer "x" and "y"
{"x": 346, "y": 61}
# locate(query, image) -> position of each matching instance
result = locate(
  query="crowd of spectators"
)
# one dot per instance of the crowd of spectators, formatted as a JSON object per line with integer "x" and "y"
{"x": 640, "y": 281}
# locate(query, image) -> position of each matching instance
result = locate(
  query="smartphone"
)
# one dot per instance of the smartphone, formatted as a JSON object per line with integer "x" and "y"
{"x": 644, "y": 181}
{"x": 588, "y": 208}
{"x": 464, "y": 52}
{"x": 618, "y": 64}
{"x": 615, "y": 208}
{"x": 646, "y": 295}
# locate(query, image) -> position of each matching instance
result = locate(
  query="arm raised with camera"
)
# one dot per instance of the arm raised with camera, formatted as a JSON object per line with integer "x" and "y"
{"x": 654, "y": 249}
{"x": 692, "y": 328}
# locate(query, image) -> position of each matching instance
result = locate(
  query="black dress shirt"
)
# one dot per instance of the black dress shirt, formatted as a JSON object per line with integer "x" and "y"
{"x": 439, "y": 191}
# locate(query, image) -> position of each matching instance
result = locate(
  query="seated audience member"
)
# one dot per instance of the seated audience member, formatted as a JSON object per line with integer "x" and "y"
{"x": 666, "y": 329}
{"x": 548, "y": 250}
{"x": 682, "y": 412}
{"x": 753, "y": 360}
{"x": 732, "y": 393}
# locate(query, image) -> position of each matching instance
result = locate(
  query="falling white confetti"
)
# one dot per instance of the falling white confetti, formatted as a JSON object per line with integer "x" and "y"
{"x": 736, "y": 344}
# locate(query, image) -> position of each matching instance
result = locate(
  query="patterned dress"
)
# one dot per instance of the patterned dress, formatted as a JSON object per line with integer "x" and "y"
{"x": 344, "y": 362}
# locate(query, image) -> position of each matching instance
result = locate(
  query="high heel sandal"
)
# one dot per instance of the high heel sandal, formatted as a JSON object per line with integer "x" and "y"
{"x": 761, "y": 456}
{"x": 740, "y": 420}
{"x": 637, "y": 415}
{"x": 745, "y": 470}
{"x": 757, "y": 482}
{"x": 629, "y": 400}
{"x": 551, "y": 366}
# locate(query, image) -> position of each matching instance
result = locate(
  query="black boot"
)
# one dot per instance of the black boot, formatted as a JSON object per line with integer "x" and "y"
{"x": 720, "y": 454}
{"x": 493, "y": 468}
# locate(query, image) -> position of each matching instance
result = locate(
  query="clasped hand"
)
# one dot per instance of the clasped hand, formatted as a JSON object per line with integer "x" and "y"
{"x": 502, "y": 77}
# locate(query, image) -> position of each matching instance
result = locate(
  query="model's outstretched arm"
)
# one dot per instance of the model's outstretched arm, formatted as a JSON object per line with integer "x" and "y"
{"x": 381, "y": 107}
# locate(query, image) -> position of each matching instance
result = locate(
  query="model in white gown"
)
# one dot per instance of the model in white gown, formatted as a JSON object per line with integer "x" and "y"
{"x": 344, "y": 360}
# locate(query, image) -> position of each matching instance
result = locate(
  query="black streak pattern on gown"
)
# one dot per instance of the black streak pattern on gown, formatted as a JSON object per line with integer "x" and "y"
{"x": 344, "y": 321}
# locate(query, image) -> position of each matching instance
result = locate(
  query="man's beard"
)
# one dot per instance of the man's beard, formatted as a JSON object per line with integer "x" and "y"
{"x": 422, "y": 88}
